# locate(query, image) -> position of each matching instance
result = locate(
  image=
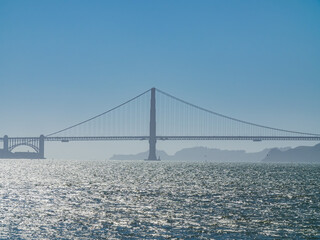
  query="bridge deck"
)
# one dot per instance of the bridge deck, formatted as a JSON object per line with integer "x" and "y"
{"x": 174, "y": 138}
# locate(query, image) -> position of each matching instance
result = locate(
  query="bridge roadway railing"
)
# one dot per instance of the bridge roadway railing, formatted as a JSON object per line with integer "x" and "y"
{"x": 22, "y": 138}
{"x": 181, "y": 138}
{"x": 174, "y": 138}
{"x": 245, "y": 138}
{"x": 95, "y": 138}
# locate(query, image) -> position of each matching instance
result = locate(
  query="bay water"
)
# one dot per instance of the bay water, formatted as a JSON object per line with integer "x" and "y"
{"x": 73, "y": 199}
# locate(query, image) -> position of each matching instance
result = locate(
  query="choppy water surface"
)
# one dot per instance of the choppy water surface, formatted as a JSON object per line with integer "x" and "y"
{"x": 157, "y": 200}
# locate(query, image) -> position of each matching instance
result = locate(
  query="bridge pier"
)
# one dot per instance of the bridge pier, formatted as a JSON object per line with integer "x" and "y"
{"x": 152, "y": 136}
{"x": 6, "y": 144}
{"x": 41, "y": 147}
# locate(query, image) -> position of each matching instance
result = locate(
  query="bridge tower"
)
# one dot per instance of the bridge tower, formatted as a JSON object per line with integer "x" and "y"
{"x": 152, "y": 134}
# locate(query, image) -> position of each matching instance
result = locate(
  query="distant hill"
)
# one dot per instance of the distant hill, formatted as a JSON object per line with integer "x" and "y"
{"x": 139, "y": 156}
{"x": 303, "y": 154}
{"x": 217, "y": 155}
{"x": 201, "y": 154}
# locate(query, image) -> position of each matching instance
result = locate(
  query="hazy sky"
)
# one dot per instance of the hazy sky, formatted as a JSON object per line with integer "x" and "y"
{"x": 64, "y": 61}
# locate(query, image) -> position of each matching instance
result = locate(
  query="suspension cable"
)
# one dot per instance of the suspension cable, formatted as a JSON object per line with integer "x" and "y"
{"x": 80, "y": 123}
{"x": 233, "y": 119}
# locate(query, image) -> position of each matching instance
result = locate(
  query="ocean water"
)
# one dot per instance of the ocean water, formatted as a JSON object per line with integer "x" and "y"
{"x": 57, "y": 199}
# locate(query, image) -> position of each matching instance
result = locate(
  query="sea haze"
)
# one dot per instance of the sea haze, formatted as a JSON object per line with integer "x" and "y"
{"x": 49, "y": 199}
{"x": 200, "y": 154}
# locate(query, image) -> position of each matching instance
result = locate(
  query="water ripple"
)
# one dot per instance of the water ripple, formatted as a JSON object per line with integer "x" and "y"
{"x": 157, "y": 200}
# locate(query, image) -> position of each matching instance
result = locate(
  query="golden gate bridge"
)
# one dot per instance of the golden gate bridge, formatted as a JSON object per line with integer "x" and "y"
{"x": 155, "y": 115}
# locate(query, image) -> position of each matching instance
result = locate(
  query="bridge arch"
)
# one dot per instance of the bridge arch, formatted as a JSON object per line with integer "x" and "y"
{"x": 35, "y": 148}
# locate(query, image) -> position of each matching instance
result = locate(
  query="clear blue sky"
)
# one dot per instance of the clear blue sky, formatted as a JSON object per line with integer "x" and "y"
{"x": 64, "y": 61}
